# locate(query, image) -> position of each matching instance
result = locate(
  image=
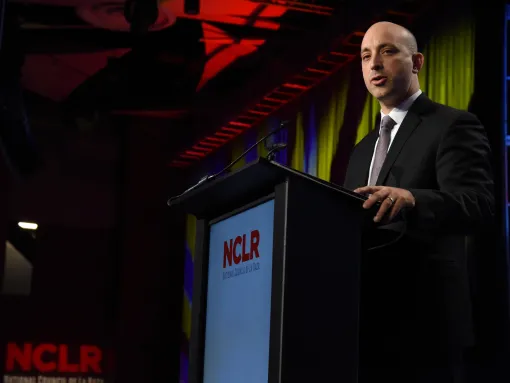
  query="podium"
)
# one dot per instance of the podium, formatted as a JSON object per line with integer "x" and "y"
{"x": 276, "y": 278}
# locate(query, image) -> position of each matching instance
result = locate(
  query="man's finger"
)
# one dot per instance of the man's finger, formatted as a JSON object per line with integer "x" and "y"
{"x": 368, "y": 189}
{"x": 397, "y": 206}
{"x": 376, "y": 197}
{"x": 371, "y": 201}
{"x": 385, "y": 206}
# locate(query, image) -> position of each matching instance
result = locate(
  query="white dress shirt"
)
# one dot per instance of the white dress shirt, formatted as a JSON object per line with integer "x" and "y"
{"x": 397, "y": 114}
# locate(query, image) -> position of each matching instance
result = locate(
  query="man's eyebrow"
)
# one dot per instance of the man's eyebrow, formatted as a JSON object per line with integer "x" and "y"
{"x": 380, "y": 46}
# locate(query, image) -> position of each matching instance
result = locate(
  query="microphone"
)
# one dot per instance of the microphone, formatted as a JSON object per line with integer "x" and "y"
{"x": 275, "y": 148}
{"x": 207, "y": 177}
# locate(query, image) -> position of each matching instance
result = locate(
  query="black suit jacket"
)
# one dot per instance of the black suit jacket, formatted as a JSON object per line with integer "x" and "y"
{"x": 420, "y": 286}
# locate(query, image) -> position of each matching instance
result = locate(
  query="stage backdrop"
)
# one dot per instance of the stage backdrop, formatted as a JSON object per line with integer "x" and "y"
{"x": 336, "y": 116}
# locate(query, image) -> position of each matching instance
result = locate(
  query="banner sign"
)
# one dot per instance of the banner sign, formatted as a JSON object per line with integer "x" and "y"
{"x": 53, "y": 363}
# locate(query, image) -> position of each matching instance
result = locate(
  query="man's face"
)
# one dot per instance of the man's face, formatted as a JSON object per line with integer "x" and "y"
{"x": 387, "y": 64}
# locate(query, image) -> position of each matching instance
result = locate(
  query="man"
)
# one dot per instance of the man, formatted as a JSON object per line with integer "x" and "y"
{"x": 428, "y": 166}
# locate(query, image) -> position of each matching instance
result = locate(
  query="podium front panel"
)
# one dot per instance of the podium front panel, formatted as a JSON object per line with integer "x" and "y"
{"x": 238, "y": 309}
{"x": 290, "y": 314}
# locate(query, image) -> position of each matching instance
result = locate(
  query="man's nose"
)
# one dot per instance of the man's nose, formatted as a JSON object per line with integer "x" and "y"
{"x": 376, "y": 63}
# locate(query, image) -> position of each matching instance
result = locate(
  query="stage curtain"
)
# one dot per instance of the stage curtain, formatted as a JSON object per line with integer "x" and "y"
{"x": 238, "y": 147}
{"x": 449, "y": 69}
{"x": 330, "y": 126}
{"x": 298, "y": 154}
{"x": 188, "y": 272}
{"x": 187, "y": 298}
{"x": 261, "y": 148}
{"x": 368, "y": 117}
{"x": 311, "y": 145}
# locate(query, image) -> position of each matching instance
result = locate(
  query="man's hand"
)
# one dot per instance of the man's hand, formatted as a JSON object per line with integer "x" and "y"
{"x": 391, "y": 198}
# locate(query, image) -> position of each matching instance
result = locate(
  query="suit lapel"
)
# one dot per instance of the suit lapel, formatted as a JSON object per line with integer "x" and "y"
{"x": 410, "y": 123}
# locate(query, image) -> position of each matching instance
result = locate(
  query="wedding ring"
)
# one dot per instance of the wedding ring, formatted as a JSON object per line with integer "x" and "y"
{"x": 391, "y": 200}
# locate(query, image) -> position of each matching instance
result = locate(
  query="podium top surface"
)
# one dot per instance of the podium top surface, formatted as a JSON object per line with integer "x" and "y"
{"x": 253, "y": 181}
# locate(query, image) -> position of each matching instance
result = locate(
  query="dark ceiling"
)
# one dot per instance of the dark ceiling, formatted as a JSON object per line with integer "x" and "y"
{"x": 198, "y": 67}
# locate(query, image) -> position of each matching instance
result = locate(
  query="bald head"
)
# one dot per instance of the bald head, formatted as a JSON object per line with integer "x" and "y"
{"x": 403, "y": 35}
{"x": 390, "y": 62}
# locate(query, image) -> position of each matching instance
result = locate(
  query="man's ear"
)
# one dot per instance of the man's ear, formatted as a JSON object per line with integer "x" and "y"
{"x": 417, "y": 62}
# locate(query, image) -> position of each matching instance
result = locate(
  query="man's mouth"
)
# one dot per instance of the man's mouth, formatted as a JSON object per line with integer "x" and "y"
{"x": 378, "y": 80}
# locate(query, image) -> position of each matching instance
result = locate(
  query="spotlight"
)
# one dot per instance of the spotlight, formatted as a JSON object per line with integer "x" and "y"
{"x": 28, "y": 225}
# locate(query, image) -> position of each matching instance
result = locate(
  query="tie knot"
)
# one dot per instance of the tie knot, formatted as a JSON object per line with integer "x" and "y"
{"x": 387, "y": 123}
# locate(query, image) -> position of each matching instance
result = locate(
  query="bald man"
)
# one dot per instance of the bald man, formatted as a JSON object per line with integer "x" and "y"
{"x": 428, "y": 165}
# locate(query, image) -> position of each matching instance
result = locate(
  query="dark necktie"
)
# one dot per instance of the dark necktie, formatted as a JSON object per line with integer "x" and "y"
{"x": 387, "y": 124}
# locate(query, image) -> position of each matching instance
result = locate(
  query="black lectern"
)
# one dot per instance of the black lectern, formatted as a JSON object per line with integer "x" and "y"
{"x": 276, "y": 278}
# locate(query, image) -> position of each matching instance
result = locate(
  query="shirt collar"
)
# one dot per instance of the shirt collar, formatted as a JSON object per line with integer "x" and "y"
{"x": 398, "y": 113}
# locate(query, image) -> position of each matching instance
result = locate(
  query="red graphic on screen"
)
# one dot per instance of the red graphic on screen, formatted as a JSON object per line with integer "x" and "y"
{"x": 48, "y": 357}
{"x": 231, "y": 250}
